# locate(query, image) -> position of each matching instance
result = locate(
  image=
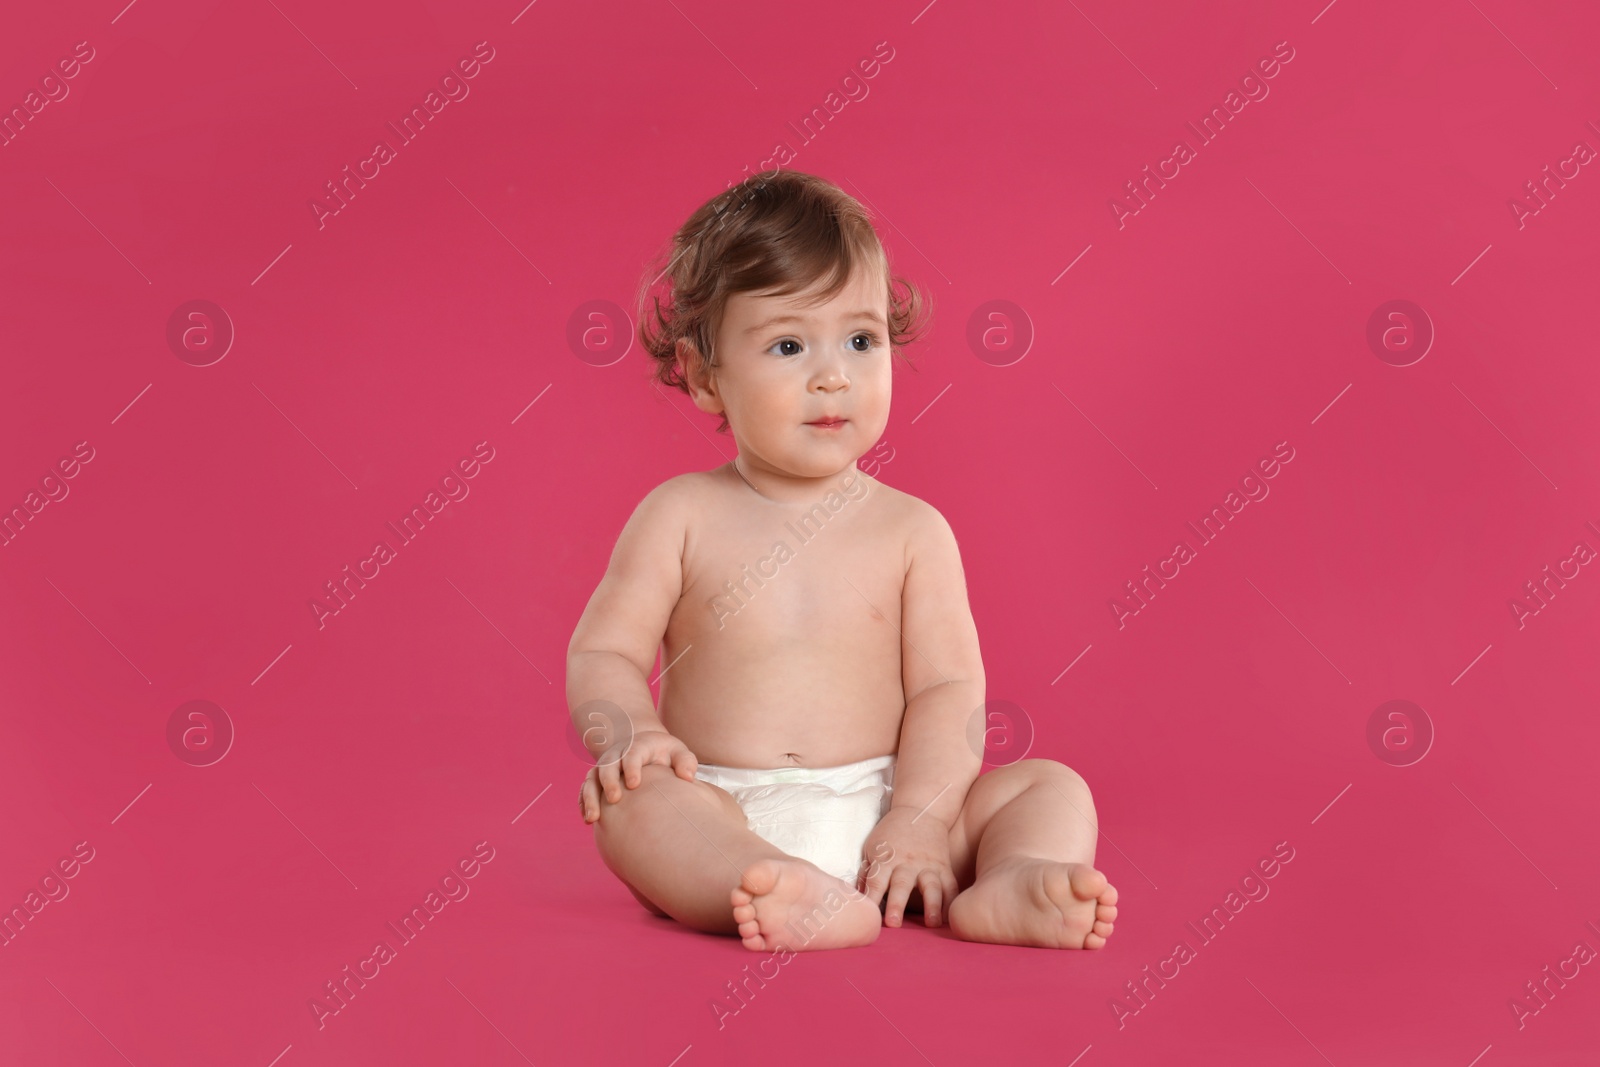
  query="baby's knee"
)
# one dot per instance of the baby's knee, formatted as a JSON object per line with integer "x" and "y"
{"x": 1058, "y": 774}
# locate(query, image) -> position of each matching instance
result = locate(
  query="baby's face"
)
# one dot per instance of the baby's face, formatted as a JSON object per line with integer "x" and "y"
{"x": 776, "y": 378}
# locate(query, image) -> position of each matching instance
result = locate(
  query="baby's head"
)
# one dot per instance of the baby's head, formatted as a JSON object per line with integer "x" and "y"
{"x": 781, "y": 309}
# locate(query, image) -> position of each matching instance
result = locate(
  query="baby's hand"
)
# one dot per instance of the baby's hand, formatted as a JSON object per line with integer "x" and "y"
{"x": 918, "y": 858}
{"x": 616, "y": 768}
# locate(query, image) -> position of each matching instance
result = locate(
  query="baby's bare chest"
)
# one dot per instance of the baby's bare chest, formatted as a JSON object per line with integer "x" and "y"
{"x": 786, "y": 582}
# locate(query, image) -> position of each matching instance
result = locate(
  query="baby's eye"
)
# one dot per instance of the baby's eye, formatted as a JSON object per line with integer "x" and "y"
{"x": 870, "y": 338}
{"x": 788, "y": 341}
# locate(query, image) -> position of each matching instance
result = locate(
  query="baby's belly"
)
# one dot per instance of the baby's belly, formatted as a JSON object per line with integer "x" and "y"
{"x": 818, "y": 707}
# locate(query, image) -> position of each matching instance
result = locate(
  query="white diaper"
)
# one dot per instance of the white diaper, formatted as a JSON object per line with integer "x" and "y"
{"x": 821, "y": 814}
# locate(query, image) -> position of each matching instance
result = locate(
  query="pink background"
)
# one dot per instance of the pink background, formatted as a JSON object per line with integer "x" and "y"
{"x": 374, "y": 352}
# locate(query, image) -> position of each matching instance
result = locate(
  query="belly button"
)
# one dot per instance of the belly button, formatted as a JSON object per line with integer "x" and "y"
{"x": 792, "y": 756}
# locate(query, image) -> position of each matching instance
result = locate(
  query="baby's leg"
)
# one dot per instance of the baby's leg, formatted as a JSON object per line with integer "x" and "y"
{"x": 686, "y": 847}
{"x": 1027, "y": 835}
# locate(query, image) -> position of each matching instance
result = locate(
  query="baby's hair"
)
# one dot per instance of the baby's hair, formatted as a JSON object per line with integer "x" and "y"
{"x": 776, "y": 233}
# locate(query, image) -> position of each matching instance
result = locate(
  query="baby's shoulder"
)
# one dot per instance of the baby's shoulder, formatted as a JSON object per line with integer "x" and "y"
{"x": 910, "y": 515}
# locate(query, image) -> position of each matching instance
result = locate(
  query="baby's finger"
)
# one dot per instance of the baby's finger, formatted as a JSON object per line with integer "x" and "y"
{"x": 589, "y": 798}
{"x": 932, "y": 897}
{"x": 875, "y": 880}
{"x": 609, "y": 776}
{"x": 901, "y": 883}
{"x": 684, "y": 764}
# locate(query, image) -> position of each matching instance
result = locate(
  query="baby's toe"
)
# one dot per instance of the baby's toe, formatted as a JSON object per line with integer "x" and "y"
{"x": 1103, "y": 929}
{"x": 1106, "y": 912}
{"x": 1088, "y": 883}
{"x": 1093, "y": 940}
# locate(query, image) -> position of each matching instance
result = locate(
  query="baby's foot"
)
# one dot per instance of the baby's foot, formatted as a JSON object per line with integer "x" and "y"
{"x": 1036, "y": 902}
{"x": 793, "y": 904}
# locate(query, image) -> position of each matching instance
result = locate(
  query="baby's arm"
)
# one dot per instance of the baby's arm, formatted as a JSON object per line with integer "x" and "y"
{"x": 614, "y": 647}
{"x": 942, "y": 674}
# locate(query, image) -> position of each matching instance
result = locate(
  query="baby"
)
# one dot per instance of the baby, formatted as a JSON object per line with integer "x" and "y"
{"x": 817, "y": 646}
